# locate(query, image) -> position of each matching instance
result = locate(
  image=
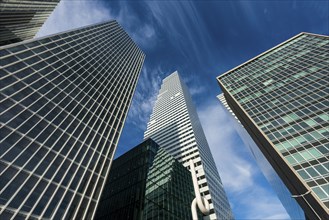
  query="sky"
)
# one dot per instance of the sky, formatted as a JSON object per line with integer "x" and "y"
{"x": 201, "y": 40}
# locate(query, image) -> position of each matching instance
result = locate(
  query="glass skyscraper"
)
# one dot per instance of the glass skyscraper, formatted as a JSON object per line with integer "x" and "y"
{"x": 288, "y": 202}
{"x": 146, "y": 183}
{"x": 64, "y": 99}
{"x": 21, "y": 19}
{"x": 175, "y": 126}
{"x": 281, "y": 99}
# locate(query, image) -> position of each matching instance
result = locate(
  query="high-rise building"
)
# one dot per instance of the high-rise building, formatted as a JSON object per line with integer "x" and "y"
{"x": 281, "y": 99}
{"x": 288, "y": 202}
{"x": 146, "y": 183}
{"x": 175, "y": 126}
{"x": 21, "y": 19}
{"x": 64, "y": 99}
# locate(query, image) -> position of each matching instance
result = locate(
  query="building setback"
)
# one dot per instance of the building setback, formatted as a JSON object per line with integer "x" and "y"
{"x": 175, "y": 126}
{"x": 146, "y": 183}
{"x": 64, "y": 99}
{"x": 281, "y": 99}
{"x": 21, "y": 19}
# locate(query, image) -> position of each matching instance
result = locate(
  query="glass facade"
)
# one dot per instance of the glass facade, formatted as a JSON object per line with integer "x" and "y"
{"x": 146, "y": 183}
{"x": 281, "y": 98}
{"x": 288, "y": 202}
{"x": 21, "y": 20}
{"x": 175, "y": 126}
{"x": 64, "y": 99}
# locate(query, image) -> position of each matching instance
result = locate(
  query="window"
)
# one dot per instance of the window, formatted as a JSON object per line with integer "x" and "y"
{"x": 303, "y": 174}
{"x": 311, "y": 171}
{"x": 321, "y": 169}
{"x": 298, "y": 157}
{"x": 311, "y": 123}
{"x": 319, "y": 192}
{"x": 290, "y": 159}
{"x": 314, "y": 152}
{"x": 306, "y": 155}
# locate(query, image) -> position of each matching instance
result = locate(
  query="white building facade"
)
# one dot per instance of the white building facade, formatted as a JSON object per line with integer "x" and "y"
{"x": 175, "y": 126}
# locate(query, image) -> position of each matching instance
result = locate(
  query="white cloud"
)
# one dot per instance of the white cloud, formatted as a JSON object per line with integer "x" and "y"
{"x": 145, "y": 97}
{"x": 142, "y": 33}
{"x": 145, "y": 36}
{"x": 194, "y": 84}
{"x": 182, "y": 21}
{"x": 221, "y": 138}
{"x": 196, "y": 90}
{"x": 74, "y": 14}
{"x": 240, "y": 176}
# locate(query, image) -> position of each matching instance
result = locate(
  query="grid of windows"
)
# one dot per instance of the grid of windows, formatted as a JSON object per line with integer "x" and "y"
{"x": 21, "y": 20}
{"x": 290, "y": 204}
{"x": 175, "y": 126}
{"x": 169, "y": 189}
{"x": 64, "y": 99}
{"x": 146, "y": 183}
{"x": 285, "y": 92}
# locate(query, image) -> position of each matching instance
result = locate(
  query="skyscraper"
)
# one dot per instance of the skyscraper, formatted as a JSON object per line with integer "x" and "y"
{"x": 281, "y": 99}
{"x": 175, "y": 126}
{"x": 146, "y": 183}
{"x": 21, "y": 19}
{"x": 64, "y": 99}
{"x": 289, "y": 203}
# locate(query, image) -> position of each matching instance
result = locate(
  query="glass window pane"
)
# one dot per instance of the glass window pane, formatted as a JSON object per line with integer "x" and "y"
{"x": 312, "y": 172}
{"x": 319, "y": 192}
{"x": 303, "y": 174}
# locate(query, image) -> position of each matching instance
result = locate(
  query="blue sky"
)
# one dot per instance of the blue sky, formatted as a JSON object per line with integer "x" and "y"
{"x": 202, "y": 39}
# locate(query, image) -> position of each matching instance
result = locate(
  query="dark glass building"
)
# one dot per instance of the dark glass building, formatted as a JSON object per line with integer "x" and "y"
{"x": 64, "y": 99}
{"x": 147, "y": 183}
{"x": 21, "y": 19}
{"x": 281, "y": 99}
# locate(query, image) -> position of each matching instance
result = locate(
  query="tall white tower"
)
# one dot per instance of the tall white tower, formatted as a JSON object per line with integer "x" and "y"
{"x": 175, "y": 126}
